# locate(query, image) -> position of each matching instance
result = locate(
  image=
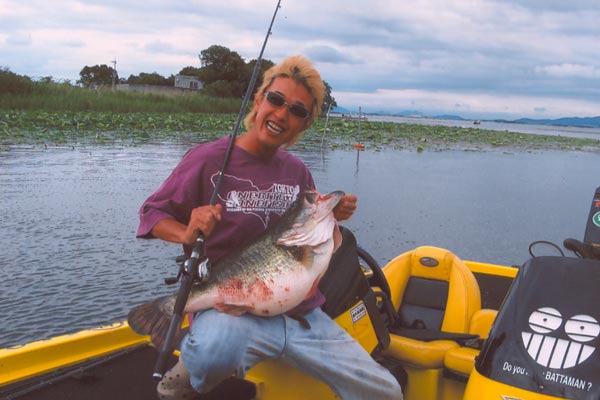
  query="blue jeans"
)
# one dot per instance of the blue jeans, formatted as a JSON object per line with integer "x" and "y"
{"x": 220, "y": 345}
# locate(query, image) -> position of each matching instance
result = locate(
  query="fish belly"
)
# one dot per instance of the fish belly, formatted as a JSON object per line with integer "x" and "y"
{"x": 274, "y": 295}
{"x": 274, "y": 288}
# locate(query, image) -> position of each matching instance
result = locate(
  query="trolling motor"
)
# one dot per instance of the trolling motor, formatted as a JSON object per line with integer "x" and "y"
{"x": 590, "y": 247}
{"x": 196, "y": 267}
{"x": 583, "y": 249}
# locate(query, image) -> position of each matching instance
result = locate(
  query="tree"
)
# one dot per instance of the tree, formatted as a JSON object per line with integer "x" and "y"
{"x": 97, "y": 75}
{"x": 264, "y": 65}
{"x": 190, "y": 71}
{"x": 11, "y": 83}
{"x": 328, "y": 99}
{"x": 47, "y": 79}
{"x": 151, "y": 79}
{"x": 221, "y": 64}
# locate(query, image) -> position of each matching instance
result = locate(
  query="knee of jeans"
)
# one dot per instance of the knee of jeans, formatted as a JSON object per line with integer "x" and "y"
{"x": 216, "y": 344}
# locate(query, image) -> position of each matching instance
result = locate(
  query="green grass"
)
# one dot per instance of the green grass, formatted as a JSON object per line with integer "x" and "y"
{"x": 64, "y": 97}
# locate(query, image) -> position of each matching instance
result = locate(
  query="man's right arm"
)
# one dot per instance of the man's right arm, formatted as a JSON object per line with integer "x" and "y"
{"x": 203, "y": 219}
{"x": 170, "y": 230}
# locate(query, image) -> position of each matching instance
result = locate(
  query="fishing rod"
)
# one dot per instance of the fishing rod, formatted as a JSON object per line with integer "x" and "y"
{"x": 196, "y": 267}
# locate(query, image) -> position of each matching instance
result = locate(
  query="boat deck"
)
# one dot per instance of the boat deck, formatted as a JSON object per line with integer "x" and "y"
{"x": 127, "y": 375}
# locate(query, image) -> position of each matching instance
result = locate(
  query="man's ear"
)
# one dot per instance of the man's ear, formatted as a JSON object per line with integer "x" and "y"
{"x": 257, "y": 99}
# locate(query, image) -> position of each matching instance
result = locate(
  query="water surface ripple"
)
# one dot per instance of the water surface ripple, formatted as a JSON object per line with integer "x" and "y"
{"x": 69, "y": 258}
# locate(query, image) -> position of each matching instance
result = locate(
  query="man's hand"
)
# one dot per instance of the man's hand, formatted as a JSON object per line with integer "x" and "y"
{"x": 203, "y": 218}
{"x": 345, "y": 207}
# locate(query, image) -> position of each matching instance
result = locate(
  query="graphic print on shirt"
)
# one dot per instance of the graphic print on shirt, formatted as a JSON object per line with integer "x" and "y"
{"x": 250, "y": 199}
{"x": 551, "y": 350}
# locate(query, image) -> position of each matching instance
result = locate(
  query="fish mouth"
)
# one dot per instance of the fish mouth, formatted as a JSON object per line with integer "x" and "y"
{"x": 315, "y": 223}
{"x": 324, "y": 203}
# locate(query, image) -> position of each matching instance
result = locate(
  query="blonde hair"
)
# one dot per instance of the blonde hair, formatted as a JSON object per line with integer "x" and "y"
{"x": 300, "y": 70}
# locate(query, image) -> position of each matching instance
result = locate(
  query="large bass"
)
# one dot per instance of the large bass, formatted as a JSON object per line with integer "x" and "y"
{"x": 269, "y": 276}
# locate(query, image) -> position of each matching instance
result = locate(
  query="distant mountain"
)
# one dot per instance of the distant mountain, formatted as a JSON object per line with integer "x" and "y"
{"x": 408, "y": 113}
{"x": 453, "y": 117}
{"x": 340, "y": 110}
{"x": 588, "y": 122}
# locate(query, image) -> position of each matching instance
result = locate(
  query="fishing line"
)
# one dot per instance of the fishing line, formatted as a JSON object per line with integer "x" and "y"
{"x": 238, "y": 123}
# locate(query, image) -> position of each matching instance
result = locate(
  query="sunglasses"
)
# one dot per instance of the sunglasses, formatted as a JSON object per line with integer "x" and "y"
{"x": 278, "y": 101}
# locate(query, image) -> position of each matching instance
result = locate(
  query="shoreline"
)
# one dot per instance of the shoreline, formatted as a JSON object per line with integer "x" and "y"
{"x": 78, "y": 129}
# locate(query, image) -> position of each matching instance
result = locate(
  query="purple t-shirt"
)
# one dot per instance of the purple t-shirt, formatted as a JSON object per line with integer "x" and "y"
{"x": 254, "y": 194}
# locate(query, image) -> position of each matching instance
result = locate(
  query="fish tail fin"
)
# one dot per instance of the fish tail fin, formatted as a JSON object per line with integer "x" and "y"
{"x": 154, "y": 318}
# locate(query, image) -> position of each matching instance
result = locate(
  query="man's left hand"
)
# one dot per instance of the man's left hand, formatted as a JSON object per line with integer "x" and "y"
{"x": 345, "y": 207}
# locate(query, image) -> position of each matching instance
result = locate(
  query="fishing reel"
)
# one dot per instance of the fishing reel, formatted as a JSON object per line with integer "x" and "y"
{"x": 201, "y": 275}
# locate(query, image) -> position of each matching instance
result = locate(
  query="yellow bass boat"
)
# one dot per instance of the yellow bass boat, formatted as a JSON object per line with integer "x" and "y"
{"x": 448, "y": 329}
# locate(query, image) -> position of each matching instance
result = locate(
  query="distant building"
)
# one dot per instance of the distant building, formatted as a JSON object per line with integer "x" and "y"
{"x": 187, "y": 82}
{"x": 183, "y": 84}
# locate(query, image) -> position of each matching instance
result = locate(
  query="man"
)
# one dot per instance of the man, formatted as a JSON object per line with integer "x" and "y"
{"x": 220, "y": 344}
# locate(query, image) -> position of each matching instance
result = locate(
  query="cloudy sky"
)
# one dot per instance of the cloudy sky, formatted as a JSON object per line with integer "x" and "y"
{"x": 474, "y": 58}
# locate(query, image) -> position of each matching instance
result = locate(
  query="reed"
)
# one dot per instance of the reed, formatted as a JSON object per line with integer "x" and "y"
{"x": 65, "y": 97}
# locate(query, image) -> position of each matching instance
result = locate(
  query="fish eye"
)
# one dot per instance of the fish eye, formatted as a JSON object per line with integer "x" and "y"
{"x": 545, "y": 320}
{"x": 311, "y": 196}
{"x": 582, "y": 328}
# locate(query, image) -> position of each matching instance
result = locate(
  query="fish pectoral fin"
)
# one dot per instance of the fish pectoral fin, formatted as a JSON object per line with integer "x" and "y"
{"x": 232, "y": 309}
{"x": 314, "y": 287}
{"x": 297, "y": 252}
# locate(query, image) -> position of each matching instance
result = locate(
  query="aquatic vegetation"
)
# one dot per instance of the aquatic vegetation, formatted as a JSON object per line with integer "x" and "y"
{"x": 35, "y": 127}
{"x": 97, "y": 127}
{"x": 391, "y": 135}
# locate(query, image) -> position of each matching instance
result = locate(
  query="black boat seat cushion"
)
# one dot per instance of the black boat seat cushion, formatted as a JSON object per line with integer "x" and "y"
{"x": 424, "y": 304}
{"x": 435, "y": 295}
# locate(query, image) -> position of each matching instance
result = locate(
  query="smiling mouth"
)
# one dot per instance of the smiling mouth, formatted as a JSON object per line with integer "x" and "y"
{"x": 276, "y": 129}
{"x": 555, "y": 353}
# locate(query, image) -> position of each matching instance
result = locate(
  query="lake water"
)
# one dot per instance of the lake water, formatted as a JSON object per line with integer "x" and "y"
{"x": 536, "y": 129}
{"x": 69, "y": 258}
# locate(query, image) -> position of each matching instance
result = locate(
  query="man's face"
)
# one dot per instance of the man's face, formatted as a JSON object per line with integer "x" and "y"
{"x": 278, "y": 125}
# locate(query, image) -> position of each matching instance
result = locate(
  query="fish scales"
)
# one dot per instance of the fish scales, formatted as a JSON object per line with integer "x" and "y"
{"x": 261, "y": 280}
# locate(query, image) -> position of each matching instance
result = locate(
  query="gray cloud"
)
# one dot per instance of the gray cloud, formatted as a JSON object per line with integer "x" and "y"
{"x": 328, "y": 54}
{"x": 159, "y": 47}
{"x": 544, "y": 49}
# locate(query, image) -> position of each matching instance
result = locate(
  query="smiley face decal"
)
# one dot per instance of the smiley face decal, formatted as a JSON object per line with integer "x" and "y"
{"x": 555, "y": 352}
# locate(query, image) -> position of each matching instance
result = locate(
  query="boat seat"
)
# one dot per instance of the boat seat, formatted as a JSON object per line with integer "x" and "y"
{"x": 461, "y": 360}
{"x": 435, "y": 295}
